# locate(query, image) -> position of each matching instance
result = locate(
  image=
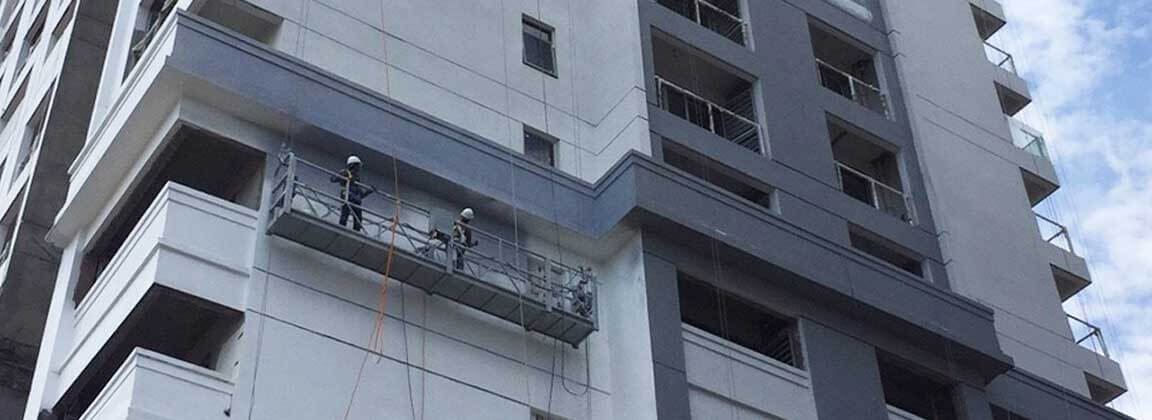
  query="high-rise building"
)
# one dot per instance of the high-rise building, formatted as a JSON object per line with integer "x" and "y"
{"x": 566, "y": 209}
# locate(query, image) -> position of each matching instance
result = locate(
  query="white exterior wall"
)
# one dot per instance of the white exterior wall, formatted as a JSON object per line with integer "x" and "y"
{"x": 990, "y": 240}
{"x": 462, "y": 61}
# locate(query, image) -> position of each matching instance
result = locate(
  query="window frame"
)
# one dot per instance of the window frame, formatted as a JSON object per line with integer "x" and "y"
{"x": 529, "y": 22}
{"x": 544, "y": 138}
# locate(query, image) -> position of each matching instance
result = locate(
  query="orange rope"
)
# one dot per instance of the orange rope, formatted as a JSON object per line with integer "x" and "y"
{"x": 376, "y": 341}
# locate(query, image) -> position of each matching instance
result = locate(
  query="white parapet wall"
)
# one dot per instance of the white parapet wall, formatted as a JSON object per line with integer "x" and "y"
{"x": 150, "y": 385}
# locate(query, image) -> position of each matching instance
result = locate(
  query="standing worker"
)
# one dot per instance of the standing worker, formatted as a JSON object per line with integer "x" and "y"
{"x": 353, "y": 193}
{"x": 462, "y": 235}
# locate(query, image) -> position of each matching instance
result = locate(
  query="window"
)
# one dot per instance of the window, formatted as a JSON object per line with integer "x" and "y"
{"x": 716, "y": 174}
{"x": 539, "y": 51}
{"x": 539, "y": 147}
{"x": 30, "y": 142}
{"x": 848, "y": 67}
{"x": 868, "y": 170}
{"x": 734, "y": 319}
{"x": 916, "y": 392}
{"x": 889, "y": 252}
{"x": 8, "y": 229}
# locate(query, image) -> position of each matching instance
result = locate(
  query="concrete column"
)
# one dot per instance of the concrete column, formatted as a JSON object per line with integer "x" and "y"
{"x": 971, "y": 403}
{"x": 845, "y": 375}
{"x": 667, "y": 341}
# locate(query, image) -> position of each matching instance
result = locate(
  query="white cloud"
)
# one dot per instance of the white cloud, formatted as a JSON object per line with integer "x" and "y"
{"x": 1071, "y": 50}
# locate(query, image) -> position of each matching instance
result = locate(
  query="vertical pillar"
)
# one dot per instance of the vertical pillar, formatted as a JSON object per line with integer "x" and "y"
{"x": 671, "y": 379}
{"x": 971, "y": 403}
{"x": 845, "y": 375}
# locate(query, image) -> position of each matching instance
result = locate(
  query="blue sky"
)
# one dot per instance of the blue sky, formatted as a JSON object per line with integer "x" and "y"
{"x": 1090, "y": 66}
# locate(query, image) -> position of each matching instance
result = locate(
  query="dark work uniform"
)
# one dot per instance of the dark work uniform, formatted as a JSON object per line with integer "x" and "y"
{"x": 353, "y": 193}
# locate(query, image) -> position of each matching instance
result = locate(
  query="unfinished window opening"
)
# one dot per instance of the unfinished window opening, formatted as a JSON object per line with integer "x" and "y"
{"x": 62, "y": 24}
{"x": 216, "y": 166}
{"x": 17, "y": 98}
{"x": 697, "y": 88}
{"x": 727, "y": 316}
{"x": 243, "y": 18}
{"x": 30, "y": 141}
{"x": 915, "y": 391}
{"x": 539, "y": 50}
{"x": 1000, "y": 413}
{"x": 9, "y": 6}
{"x": 848, "y": 68}
{"x": 9, "y": 35}
{"x": 868, "y": 171}
{"x": 886, "y": 251}
{"x": 539, "y": 147}
{"x": 168, "y": 322}
{"x": 720, "y": 16}
{"x": 719, "y": 175}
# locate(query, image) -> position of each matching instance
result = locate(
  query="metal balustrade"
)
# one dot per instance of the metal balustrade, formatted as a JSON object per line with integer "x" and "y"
{"x": 725, "y": 22}
{"x": 1000, "y": 58}
{"x": 493, "y": 275}
{"x": 848, "y": 86}
{"x": 1055, "y": 233}
{"x": 874, "y": 193}
{"x": 1088, "y": 335}
{"x": 712, "y": 117}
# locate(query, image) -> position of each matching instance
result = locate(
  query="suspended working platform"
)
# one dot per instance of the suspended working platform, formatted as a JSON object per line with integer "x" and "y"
{"x": 492, "y": 275}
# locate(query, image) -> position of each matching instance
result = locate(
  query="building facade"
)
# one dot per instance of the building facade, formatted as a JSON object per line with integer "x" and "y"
{"x": 703, "y": 209}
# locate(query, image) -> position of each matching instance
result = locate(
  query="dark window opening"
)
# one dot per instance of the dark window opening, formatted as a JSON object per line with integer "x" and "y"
{"x": 8, "y": 229}
{"x": 539, "y": 147}
{"x": 32, "y": 38}
{"x": 168, "y": 322}
{"x": 885, "y": 250}
{"x": 721, "y": 16}
{"x": 999, "y": 413}
{"x": 705, "y": 92}
{"x": 539, "y": 50}
{"x": 717, "y": 174}
{"x": 734, "y": 319}
{"x": 916, "y": 392}
{"x": 30, "y": 141}
{"x": 244, "y": 18}
{"x": 869, "y": 171}
{"x": 216, "y": 166}
{"x": 847, "y": 67}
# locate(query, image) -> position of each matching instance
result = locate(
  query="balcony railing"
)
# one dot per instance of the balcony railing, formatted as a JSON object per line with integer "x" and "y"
{"x": 1054, "y": 233}
{"x": 874, "y": 193}
{"x": 708, "y": 115}
{"x": 1088, "y": 336}
{"x": 1027, "y": 138}
{"x": 848, "y": 86}
{"x": 493, "y": 275}
{"x": 1000, "y": 58}
{"x": 725, "y": 22}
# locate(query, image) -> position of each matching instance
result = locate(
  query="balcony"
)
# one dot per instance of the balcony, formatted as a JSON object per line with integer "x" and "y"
{"x": 151, "y": 385}
{"x": 708, "y": 115}
{"x": 847, "y": 68}
{"x": 989, "y": 17}
{"x": 186, "y": 241}
{"x": 1088, "y": 336}
{"x": 1000, "y": 58}
{"x": 1103, "y": 375}
{"x": 867, "y": 170}
{"x": 494, "y": 276}
{"x": 720, "y": 16}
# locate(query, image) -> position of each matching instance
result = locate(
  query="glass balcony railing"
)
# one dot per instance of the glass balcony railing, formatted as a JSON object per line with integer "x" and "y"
{"x": 874, "y": 193}
{"x": 1000, "y": 58}
{"x": 720, "y": 16}
{"x": 1087, "y": 335}
{"x": 1027, "y": 138}
{"x": 725, "y": 123}
{"x": 848, "y": 86}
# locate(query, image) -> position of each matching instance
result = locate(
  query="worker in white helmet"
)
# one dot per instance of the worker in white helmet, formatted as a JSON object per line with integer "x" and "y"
{"x": 352, "y": 192}
{"x": 462, "y": 235}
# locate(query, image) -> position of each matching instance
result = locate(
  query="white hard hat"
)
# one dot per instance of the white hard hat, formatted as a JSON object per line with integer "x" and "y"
{"x": 467, "y": 213}
{"x": 353, "y": 159}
